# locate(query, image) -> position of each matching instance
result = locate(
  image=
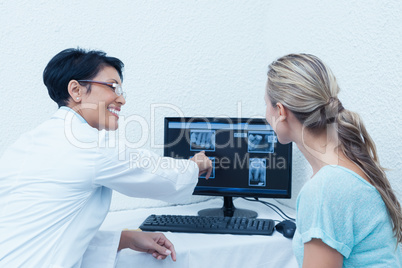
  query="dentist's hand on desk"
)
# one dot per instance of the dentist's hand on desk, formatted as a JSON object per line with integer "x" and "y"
{"x": 153, "y": 243}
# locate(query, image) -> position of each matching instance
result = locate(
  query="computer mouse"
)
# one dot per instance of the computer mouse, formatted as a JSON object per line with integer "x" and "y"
{"x": 287, "y": 228}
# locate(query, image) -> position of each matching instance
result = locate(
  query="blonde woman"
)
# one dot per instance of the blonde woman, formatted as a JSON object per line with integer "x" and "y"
{"x": 347, "y": 214}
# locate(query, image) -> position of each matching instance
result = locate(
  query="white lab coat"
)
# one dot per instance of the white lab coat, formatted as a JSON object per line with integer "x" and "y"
{"x": 56, "y": 185}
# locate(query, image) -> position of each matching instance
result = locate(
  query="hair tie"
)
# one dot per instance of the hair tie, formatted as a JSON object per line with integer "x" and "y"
{"x": 331, "y": 100}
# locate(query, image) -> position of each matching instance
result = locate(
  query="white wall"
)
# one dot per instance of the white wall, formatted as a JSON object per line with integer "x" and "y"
{"x": 207, "y": 58}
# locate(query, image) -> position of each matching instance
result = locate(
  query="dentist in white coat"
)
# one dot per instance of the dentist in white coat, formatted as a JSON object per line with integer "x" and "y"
{"x": 56, "y": 181}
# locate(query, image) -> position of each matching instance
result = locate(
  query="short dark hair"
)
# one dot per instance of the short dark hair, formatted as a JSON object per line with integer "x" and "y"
{"x": 75, "y": 64}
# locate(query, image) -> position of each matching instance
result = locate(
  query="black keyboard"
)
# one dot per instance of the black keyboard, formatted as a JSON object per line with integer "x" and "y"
{"x": 208, "y": 224}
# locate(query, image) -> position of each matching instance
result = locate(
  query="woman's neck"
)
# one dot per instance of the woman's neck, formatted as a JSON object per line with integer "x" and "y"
{"x": 320, "y": 149}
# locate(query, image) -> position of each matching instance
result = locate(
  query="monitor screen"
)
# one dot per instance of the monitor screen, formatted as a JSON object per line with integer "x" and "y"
{"x": 247, "y": 159}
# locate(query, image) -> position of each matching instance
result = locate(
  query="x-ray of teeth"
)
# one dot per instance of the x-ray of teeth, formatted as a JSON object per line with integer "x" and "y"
{"x": 257, "y": 172}
{"x": 261, "y": 142}
{"x": 202, "y": 140}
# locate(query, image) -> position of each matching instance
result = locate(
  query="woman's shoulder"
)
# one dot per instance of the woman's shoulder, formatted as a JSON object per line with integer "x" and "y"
{"x": 339, "y": 176}
{"x": 339, "y": 183}
{"x": 340, "y": 193}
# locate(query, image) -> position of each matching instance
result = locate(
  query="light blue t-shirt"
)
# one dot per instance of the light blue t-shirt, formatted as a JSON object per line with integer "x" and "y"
{"x": 348, "y": 214}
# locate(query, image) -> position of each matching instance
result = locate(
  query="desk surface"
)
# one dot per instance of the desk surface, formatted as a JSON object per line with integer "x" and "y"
{"x": 208, "y": 250}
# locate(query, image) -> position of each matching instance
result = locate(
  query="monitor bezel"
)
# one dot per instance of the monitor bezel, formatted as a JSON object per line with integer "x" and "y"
{"x": 218, "y": 192}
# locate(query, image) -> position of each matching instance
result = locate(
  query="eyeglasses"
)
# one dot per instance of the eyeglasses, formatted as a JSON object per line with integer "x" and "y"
{"x": 116, "y": 87}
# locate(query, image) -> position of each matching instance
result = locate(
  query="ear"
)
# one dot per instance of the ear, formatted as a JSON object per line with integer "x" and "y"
{"x": 282, "y": 111}
{"x": 75, "y": 91}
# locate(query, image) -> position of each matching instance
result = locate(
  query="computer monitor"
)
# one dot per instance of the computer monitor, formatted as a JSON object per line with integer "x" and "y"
{"x": 247, "y": 159}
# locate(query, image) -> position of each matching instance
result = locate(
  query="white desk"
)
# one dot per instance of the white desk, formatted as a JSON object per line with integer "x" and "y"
{"x": 208, "y": 250}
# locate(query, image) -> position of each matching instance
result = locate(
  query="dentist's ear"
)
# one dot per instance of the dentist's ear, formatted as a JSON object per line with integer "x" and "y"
{"x": 282, "y": 111}
{"x": 75, "y": 91}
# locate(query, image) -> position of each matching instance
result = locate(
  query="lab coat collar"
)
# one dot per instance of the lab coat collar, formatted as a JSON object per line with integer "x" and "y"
{"x": 62, "y": 115}
{"x": 70, "y": 117}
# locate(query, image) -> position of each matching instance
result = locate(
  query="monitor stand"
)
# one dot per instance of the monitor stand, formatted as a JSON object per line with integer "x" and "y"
{"x": 228, "y": 210}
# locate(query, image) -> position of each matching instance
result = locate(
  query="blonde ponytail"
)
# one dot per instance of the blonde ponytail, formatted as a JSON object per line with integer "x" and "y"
{"x": 358, "y": 146}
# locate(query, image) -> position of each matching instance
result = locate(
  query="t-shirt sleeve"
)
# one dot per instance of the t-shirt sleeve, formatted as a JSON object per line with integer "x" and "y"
{"x": 324, "y": 212}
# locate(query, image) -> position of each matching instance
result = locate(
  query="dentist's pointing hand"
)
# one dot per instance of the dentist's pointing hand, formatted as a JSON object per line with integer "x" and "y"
{"x": 204, "y": 164}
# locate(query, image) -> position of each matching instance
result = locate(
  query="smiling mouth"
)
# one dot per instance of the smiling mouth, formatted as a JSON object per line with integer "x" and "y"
{"x": 114, "y": 112}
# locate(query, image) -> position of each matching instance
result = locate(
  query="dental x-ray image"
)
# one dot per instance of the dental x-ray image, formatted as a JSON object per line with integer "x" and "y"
{"x": 261, "y": 142}
{"x": 202, "y": 140}
{"x": 257, "y": 172}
